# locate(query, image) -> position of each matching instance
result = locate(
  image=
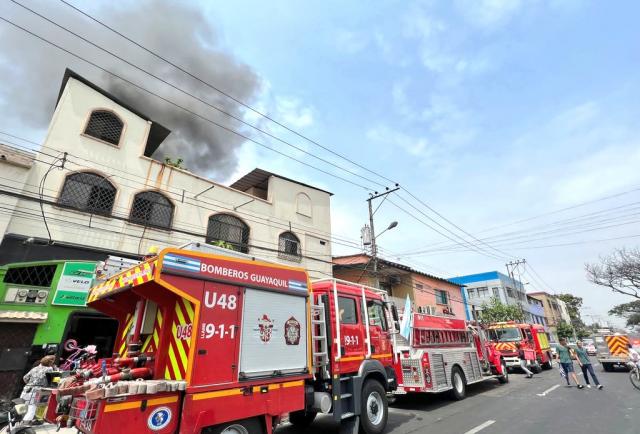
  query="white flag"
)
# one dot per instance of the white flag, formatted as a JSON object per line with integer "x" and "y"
{"x": 405, "y": 324}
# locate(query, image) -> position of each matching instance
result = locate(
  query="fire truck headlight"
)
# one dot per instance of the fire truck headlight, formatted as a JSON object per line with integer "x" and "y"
{"x": 21, "y": 409}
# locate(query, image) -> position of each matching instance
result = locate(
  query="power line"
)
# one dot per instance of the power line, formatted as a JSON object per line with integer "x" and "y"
{"x": 179, "y": 192}
{"x": 238, "y": 101}
{"x": 472, "y": 246}
{"x": 177, "y": 105}
{"x": 243, "y": 104}
{"x": 191, "y": 112}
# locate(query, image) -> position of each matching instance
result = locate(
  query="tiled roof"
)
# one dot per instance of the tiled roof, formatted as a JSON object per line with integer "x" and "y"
{"x": 22, "y": 316}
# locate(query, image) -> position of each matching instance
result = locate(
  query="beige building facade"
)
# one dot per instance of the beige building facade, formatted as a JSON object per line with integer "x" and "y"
{"x": 103, "y": 193}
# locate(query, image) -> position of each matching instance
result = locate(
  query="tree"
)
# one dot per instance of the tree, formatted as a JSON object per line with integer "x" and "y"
{"x": 574, "y": 304}
{"x": 626, "y": 309}
{"x": 619, "y": 271}
{"x": 496, "y": 311}
{"x": 633, "y": 319}
{"x": 564, "y": 330}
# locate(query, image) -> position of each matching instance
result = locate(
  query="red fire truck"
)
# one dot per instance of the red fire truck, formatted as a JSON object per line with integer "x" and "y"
{"x": 532, "y": 338}
{"x": 211, "y": 343}
{"x": 445, "y": 354}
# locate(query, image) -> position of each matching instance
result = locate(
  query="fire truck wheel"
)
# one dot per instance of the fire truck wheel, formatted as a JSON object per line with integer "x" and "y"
{"x": 302, "y": 419}
{"x": 245, "y": 426}
{"x": 459, "y": 390}
{"x": 504, "y": 378}
{"x": 25, "y": 430}
{"x": 374, "y": 408}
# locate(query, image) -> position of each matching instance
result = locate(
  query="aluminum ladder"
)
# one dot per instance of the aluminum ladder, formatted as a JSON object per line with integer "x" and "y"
{"x": 319, "y": 337}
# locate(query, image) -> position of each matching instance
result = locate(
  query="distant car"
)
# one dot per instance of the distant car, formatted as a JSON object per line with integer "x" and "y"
{"x": 589, "y": 345}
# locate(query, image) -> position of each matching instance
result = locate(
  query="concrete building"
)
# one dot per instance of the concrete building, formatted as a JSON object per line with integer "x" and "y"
{"x": 103, "y": 193}
{"x": 555, "y": 311}
{"x": 481, "y": 287}
{"x": 429, "y": 294}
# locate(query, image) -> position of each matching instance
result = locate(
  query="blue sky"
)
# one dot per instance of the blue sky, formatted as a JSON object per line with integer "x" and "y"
{"x": 491, "y": 111}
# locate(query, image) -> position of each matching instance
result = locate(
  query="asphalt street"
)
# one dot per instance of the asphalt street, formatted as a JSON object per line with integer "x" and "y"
{"x": 543, "y": 404}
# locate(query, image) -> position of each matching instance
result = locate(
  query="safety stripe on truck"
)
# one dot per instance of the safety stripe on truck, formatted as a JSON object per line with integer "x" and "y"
{"x": 122, "y": 345}
{"x": 256, "y": 389}
{"x": 618, "y": 345}
{"x": 136, "y": 404}
{"x": 151, "y": 342}
{"x": 179, "y": 345}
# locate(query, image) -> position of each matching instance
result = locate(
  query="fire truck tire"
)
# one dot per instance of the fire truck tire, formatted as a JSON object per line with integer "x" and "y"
{"x": 504, "y": 378}
{"x": 245, "y": 426}
{"x": 302, "y": 419}
{"x": 373, "y": 408}
{"x": 25, "y": 430}
{"x": 459, "y": 384}
{"x": 607, "y": 367}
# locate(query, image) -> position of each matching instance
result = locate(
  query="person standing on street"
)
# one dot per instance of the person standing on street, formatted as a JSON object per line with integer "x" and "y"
{"x": 585, "y": 364}
{"x": 565, "y": 355}
{"x": 523, "y": 361}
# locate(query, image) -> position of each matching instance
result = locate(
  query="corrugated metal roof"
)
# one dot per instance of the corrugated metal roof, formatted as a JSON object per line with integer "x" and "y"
{"x": 23, "y": 316}
{"x": 361, "y": 259}
{"x": 258, "y": 178}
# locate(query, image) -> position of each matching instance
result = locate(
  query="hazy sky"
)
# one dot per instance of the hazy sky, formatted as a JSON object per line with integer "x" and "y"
{"x": 490, "y": 111}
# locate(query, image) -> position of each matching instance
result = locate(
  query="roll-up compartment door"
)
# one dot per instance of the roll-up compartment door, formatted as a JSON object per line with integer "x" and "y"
{"x": 274, "y": 334}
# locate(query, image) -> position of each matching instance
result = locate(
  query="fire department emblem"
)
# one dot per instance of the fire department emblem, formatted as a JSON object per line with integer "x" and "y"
{"x": 265, "y": 328}
{"x": 292, "y": 331}
{"x": 159, "y": 419}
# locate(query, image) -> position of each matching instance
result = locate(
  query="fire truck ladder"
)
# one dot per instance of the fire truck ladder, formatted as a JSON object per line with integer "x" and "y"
{"x": 319, "y": 336}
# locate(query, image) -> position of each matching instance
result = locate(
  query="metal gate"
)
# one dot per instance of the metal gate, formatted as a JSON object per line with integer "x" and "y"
{"x": 15, "y": 347}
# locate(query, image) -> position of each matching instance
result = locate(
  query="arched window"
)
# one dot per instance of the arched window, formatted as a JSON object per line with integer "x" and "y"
{"x": 228, "y": 229}
{"x": 289, "y": 247}
{"x": 104, "y": 125}
{"x": 303, "y": 204}
{"x": 151, "y": 208}
{"x": 88, "y": 192}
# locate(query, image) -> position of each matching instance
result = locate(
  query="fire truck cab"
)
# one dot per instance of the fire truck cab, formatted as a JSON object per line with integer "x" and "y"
{"x": 532, "y": 338}
{"x": 445, "y": 354}
{"x": 224, "y": 344}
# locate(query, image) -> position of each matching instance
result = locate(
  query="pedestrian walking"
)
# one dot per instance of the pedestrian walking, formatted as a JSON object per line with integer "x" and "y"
{"x": 565, "y": 355}
{"x": 585, "y": 364}
{"x": 523, "y": 361}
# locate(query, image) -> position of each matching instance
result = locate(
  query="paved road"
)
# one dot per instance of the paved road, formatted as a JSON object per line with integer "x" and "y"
{"x": 522, "y": 407}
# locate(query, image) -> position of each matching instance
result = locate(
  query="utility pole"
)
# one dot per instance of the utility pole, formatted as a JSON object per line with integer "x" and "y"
{"x": 512, "y": 266}
{"x": 374, "y": 247}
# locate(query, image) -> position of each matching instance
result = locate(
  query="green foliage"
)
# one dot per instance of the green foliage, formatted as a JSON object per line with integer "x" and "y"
{"x": 177, "y": 163}
{"x": 633, "y": 319}
{"x": 564, "y": 330}
{"x": 626, "y": 309}
{"x": 496, "y": 311}
{"x": 223, "y": 244}
{"x": 573, "y": 307}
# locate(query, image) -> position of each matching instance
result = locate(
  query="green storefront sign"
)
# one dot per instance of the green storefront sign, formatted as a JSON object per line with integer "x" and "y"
{"x": 74, "y": 284}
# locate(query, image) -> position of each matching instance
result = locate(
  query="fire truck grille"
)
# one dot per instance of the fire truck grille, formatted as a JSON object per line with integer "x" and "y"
{"x": 412, "y": 373}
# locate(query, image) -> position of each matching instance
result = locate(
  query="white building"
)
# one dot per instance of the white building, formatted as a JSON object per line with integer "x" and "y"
{"x": 111, "y": 197}
{"x": 480, "y": 288}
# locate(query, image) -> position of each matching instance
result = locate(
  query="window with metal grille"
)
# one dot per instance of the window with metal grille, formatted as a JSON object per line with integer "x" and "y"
{"x": 104, "y": 125}
{"x": 151, "y": 208}
{"x": 88, "y": 192}
{"x": 289, "y": 247}
{"x": 35, "y": 275}
{"x": 225, "y": 228}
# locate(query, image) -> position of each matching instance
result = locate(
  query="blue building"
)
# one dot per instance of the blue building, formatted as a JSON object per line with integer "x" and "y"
{"x": 481, "y": 287}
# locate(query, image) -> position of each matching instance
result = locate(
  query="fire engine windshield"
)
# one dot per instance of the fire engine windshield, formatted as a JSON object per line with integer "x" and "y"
{"x": 511, "y": 334}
